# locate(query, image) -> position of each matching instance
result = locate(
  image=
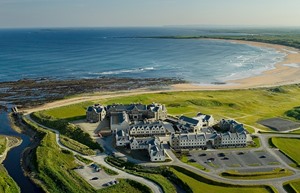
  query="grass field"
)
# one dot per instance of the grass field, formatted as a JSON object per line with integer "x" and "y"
{"x": 256, "y": 141}
{"x": 276, "y": 173}
{"x": 293, "y": 186}
{"x": 199, "y": 186}
{"x": 76, "y": 146}
{"x": 83, "y": 160}
{"x": 259, "y": 104}
{"x": 126, "y": 185}
{"x": 70, "y": 112}
{"x": 3, "y": 142}
{"x": 67, "y": 129}
{"x": 7, "y": 184}
{"x": 166, "y": 185}
{"x": 54, "y": 168}
{"x": 287, "y": 146}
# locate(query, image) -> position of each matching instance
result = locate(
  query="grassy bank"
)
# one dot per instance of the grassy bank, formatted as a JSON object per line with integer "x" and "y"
{"x": 287, "y": 146}
{"x": 276, "y": 173}
{"x": 126, "y": 185}
{"x": 69, "y": 130}
{"x": 259, "y": 104}
{"x": 195, "y": 182}
{"x": 53, "y": 168}
{"x": 76, "y": 146}
{"x": 3, "y": 142}
{"x": 7, "y": 184}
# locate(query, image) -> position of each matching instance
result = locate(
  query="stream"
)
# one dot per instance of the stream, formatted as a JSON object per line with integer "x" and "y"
{"x": 12, "y": 163}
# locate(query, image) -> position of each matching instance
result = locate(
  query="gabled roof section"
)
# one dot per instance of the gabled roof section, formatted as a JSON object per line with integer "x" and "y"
{"x": 189, "y": 120}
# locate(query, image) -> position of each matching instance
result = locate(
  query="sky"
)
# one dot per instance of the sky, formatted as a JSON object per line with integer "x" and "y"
{"x": 120, "y": 13}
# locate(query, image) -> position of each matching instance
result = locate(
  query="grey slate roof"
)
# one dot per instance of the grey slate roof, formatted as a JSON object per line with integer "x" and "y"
{"x": 157, "y": 150}
{"x": 128, "y": 107}
{"x": 122, "y": 135}
{"x": 189, "y": 120}
{"x": 95, "y": 108}
{"x": 118, "y": 118}
{"x": 152, "y": 125}
{"x": 192, "y": 136}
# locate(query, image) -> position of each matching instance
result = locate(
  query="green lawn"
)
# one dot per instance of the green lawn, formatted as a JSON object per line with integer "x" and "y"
{"x": 166, "y": 185}
{"x": 7, "y": 184}
{"x": 293, "y": 186}
{"x": 276, "y": 173}
{"x": 83, "y": 160}
{"x": 199, "y": 186}
{"x": 3, "y": 142}
{"x": 256, "y": 141}
{"x": 76, "y": 146}
{"x": 126, "y": 185}
{"x": 54, "y": 168}
{"x": 247, "y": 106}
{"x": 67, "y": 129}
{"x": 70, "y": 112}
{"x": 287, "y": 146}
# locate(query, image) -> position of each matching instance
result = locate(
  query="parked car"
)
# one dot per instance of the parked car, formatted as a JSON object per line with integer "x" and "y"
{"x": 240, "y": 153}
{"x": 95, "y": 178}
{"x": 221, "y": 154}
{"x": 263, "y": 156}
{"x": 202, "y": 154}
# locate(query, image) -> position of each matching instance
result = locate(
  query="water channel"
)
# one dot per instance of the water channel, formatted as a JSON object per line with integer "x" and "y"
{"x": 12, "y": 163}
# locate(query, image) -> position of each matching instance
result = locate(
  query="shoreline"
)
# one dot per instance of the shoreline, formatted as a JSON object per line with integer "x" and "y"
{"x": 11, "y": 143}
{"x": 281, "y": 74}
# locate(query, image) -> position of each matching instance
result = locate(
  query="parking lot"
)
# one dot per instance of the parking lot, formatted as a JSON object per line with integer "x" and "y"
{"x": 254, "y": 160}
{"x": 279, "y": 124}
{"x": 96, "y": 179}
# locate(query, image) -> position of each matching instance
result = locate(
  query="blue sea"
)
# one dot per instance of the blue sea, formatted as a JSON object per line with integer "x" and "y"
{"x": 122, "y": 52}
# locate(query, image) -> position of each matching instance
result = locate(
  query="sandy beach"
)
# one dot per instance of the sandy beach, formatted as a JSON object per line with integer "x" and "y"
{"x": 285, "y": 72}
{"x": 281, "y": 75}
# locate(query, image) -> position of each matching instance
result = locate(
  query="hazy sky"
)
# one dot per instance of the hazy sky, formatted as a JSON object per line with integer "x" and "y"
{"x": 89, "y": 13}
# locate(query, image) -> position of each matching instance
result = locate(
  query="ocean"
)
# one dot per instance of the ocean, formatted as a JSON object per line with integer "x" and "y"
{"x": 76, "y": 53}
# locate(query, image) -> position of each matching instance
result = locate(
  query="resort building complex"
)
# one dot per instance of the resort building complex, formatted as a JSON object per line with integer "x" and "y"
{"x": 138, "y": 126}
